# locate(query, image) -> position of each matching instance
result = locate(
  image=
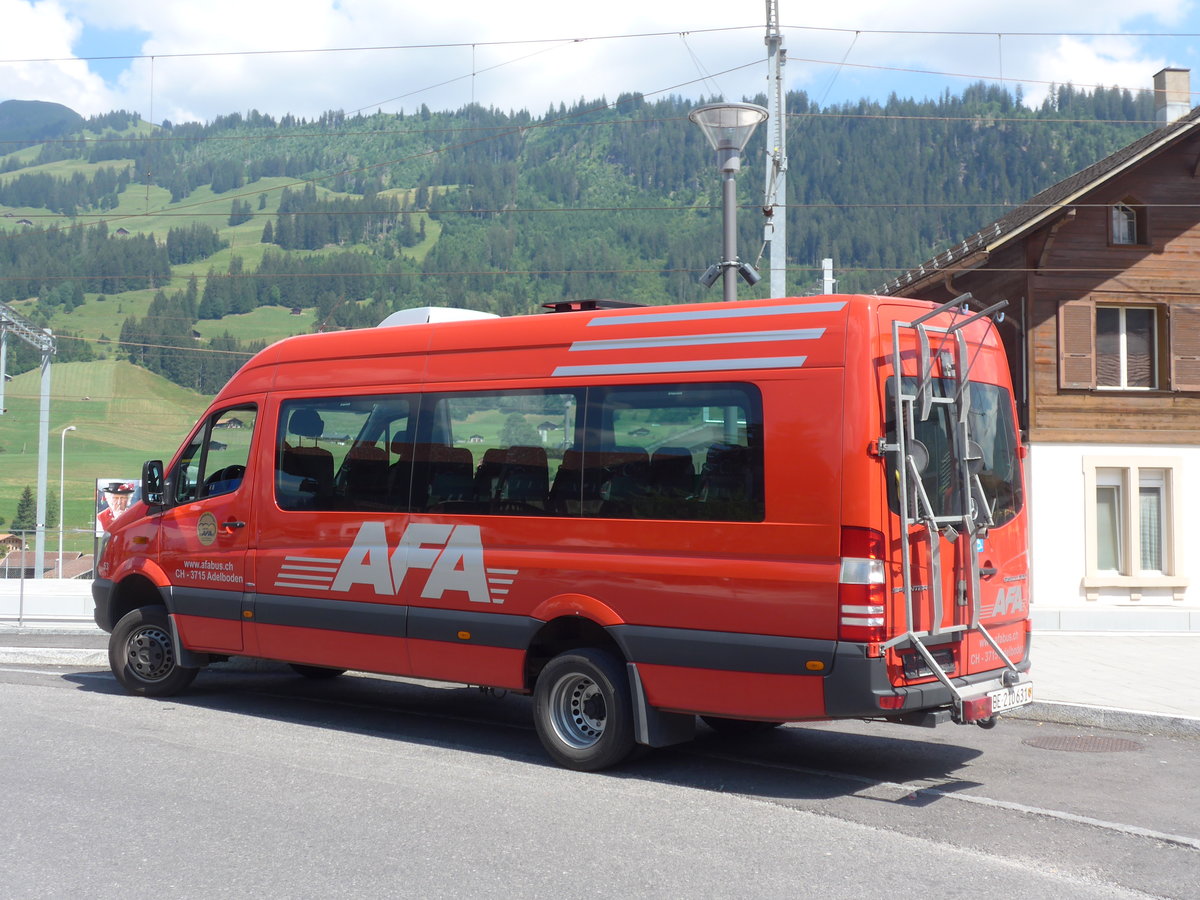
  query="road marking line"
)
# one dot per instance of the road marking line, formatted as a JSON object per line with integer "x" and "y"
{"x": 910, "y": 789}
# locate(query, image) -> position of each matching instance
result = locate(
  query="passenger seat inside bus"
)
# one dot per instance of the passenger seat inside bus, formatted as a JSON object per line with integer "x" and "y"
{"x": 364, "y": 475}
{"x": 672, "y": 472}
{"x": 312, "y": 466}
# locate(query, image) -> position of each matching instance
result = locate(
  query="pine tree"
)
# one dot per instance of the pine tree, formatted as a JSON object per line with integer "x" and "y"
{"x": 26, "y": 517}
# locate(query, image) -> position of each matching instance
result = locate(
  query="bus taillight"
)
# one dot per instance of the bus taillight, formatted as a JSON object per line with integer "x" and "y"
{"x": 861, "y": 588}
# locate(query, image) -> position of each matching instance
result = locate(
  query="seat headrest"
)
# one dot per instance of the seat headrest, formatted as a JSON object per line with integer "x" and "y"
{"x": 307, "y": 423}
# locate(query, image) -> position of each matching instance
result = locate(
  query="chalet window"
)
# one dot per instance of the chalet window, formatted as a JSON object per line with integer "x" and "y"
{"x": 1112, "y": 347}
{"x": 1126, "y": 348}
{"x": 1133, "y": 525}
{"x": 1128, "y": 224}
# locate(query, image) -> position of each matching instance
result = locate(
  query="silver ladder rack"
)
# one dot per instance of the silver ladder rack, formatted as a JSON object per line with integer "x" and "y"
{"x": 912, "y": 457}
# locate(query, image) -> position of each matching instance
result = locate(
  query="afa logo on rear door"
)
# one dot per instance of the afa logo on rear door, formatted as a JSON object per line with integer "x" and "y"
{"x": 449, "y": 556}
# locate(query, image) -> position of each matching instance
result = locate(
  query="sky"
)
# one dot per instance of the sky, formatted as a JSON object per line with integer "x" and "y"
{"x": 181, "y": 60}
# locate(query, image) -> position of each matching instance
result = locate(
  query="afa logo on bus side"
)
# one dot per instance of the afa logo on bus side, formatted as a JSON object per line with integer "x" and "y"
{"x": 206, "y": 529}
{"x": 451, "y": 556}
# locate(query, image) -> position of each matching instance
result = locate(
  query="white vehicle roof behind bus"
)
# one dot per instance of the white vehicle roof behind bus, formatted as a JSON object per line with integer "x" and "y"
{"x": 422, "y": 315}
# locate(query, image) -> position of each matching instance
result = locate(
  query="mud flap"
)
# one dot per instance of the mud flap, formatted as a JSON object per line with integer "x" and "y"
{"x": 184, "y": 657}
{"x": 652, "y": 726}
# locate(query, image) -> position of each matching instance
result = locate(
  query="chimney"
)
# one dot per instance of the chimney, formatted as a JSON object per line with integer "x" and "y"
{"x": 1172, "y": 95}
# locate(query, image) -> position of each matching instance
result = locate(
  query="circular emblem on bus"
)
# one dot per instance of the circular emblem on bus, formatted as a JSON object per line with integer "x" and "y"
{"x": 206, "y": 529}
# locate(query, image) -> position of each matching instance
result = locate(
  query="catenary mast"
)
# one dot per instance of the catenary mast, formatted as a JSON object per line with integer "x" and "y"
{"x": 12, "y": 322}
{"x": 775, "y": 198}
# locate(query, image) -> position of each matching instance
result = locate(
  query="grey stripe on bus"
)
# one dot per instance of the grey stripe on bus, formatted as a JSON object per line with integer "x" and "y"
{"x": 740, "y": 312}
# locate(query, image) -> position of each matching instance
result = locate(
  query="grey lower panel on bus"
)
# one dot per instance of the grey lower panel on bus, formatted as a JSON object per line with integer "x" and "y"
{"x": 508, "y": 632}
{"x": 726, "y": 651}
{"x": 382, "y": 619}
{"x": 858, "y": 680}
{"x": 394, "y": 620}
{"x": 206, "y": 602}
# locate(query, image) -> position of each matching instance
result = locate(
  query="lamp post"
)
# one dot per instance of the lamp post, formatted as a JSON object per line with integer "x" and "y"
{"x": 62, "y": 471}
{"x": 728, "y": 127}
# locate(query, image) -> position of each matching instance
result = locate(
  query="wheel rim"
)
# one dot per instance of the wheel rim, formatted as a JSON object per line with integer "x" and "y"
{"x": 578, "y": 711}
{"x": 150, "y": 654}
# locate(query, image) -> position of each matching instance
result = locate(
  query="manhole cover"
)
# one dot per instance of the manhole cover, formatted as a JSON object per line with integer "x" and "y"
{"x": 1083, "y": 744}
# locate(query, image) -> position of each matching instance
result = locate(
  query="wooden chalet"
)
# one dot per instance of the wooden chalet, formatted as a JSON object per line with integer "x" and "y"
{"x": 1102, "y": 275}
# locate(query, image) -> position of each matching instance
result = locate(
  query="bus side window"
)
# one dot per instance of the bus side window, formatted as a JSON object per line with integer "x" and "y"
{"x": 684, "y": 451}
{"x": 335, "y": 453}
{"x": 215, "y": 461}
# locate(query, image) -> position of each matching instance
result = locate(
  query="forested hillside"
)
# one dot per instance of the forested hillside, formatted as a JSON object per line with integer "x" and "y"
{"x": 182, "y": 247}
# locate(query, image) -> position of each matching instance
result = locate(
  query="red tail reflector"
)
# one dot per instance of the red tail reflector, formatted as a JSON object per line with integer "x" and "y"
{"x": 895, "y": 702}
{"x": 862, "y": 591}
{"x": 976, "y": 709}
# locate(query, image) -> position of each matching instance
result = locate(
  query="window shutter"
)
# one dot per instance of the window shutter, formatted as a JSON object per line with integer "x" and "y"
{"x": 1077, "y": 345}
{"x": 1185, "y": 347}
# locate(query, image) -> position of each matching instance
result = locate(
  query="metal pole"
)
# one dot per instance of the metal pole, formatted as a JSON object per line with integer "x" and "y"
{"x": 3, "y": 364}
{"x": 62, "y": 469}
{"x": 775, "y": 198}
{"x": 43, "y": 453}
{"x": 729, "y": 214}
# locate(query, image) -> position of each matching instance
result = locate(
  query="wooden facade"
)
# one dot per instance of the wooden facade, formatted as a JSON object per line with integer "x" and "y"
{"x": 1056, "y": 261}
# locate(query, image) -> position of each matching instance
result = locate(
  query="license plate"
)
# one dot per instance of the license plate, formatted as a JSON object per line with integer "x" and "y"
{"x": 1011, "y": 698}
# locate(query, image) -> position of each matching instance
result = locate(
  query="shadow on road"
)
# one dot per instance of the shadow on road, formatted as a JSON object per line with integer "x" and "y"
{"x": 794, "y": 762}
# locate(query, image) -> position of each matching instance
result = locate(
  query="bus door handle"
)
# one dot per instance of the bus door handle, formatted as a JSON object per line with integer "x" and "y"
{"x": 987, "y": 572}
{"x": 232, "y": 524}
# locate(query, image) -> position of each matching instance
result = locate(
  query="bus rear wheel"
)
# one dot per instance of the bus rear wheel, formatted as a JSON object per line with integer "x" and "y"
{"x": 142, "y": 655}
{"x": 582, "y": 710}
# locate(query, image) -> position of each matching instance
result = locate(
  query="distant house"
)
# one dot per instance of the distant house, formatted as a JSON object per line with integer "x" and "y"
{"x": 11, "y": 542}
{"x": 122, "y": 231}
{"x": 296, "y": 311}
{"x": 231, "y": 422}
{"x": 24, "y": 565}
{"x": 217, "y": 445}
{"x": 24, "y": 222}
{"x": 1102, "y": 275}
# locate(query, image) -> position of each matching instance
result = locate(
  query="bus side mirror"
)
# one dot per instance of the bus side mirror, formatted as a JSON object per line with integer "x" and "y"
{"x": 152, "y": 482}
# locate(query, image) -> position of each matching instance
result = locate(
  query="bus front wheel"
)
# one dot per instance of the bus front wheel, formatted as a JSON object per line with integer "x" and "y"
{"x": 142, "y": 654}
{"x": 583, "y": 711}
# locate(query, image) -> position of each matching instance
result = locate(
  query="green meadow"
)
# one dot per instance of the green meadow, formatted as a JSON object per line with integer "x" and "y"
{"x": 123, "y": 415}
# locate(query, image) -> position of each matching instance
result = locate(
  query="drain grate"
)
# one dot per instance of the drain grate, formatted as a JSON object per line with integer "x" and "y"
{"x": 1083, "y": 744}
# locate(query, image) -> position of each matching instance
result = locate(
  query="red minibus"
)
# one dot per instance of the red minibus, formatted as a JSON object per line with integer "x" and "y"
{"x": 753, "y": 513}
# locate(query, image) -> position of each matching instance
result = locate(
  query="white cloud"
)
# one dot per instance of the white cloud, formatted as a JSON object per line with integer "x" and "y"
{"x": 533, "y": 75}
{"x": 45, "y": 31}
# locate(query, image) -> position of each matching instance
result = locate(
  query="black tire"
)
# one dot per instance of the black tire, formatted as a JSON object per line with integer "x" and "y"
{"x": 583, "y": 711}
{"x": 142, "y": 654}
{"x": 738, "y": 727}
{"x": 317, "y": 673}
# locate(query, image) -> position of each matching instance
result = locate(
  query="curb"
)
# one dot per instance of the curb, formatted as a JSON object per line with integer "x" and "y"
{"x": 52, "y": 656}
{"x": 1106, "y": 717}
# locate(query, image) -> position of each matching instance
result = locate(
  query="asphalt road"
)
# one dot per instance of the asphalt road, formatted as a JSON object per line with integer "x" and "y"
{"x": 265, "y": 784}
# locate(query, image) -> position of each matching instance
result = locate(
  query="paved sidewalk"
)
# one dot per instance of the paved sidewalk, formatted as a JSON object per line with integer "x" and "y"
{"x": 1129, "y": 682}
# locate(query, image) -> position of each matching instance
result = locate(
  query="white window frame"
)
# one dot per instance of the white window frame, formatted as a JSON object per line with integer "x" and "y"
{"x": 1123, "y": 349}
{"x": 1124, "y": 228}
{"x": 1129, "y": 476}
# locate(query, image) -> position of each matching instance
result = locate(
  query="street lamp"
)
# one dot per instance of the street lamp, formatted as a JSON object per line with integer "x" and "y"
{"x": 62, "y": 470}
{"x": 728, "y": 127}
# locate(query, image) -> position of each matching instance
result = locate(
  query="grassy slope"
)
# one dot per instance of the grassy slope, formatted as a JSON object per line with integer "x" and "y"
{"x": 123, "y": 415}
